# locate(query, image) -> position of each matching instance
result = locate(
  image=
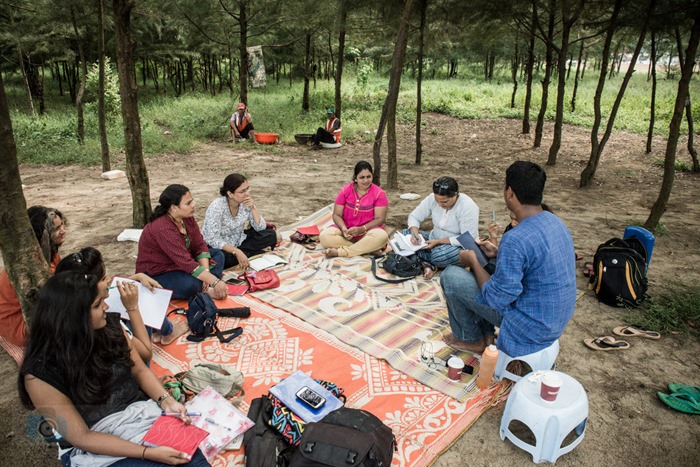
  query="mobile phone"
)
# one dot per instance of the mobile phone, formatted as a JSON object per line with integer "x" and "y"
{"x": 234, "y": 280}
{"x": 493, "y": 216}
{"x": 311, "y": 397}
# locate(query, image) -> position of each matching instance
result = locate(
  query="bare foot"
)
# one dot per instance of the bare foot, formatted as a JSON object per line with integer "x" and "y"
{"x": 475, "y": 347}
{"x": 179, "y": 329}
{"x": 331, "y": 253}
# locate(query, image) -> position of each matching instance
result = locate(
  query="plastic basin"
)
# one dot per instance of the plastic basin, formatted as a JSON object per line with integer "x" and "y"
{"x": 303, "y": 138}
{"x": 266, "y": 138}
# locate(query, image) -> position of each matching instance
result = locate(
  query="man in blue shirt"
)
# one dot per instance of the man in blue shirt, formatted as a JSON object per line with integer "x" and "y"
{"x": 532, "y": 293}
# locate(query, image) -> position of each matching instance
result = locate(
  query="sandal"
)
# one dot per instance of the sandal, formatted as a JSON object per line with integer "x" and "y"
{"x": 636, "y": 331}
{"x": 681, "y": 402}
{"x": 588, "y": 270}
{"x": 606, "y": 343}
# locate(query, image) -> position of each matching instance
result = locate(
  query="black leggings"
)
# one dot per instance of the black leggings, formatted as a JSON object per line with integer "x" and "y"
{"x": 323, "y": 136}
{"x": 254, "y": 244}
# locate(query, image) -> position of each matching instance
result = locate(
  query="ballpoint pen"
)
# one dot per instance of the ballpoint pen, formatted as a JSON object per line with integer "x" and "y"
{"x": 213, "y": 422}
{"x": 178, "y": 414}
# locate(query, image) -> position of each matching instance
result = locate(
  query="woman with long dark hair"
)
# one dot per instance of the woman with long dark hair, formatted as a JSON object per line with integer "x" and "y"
{"x": 81, "y": 375}
{"x": 358, "y": 215}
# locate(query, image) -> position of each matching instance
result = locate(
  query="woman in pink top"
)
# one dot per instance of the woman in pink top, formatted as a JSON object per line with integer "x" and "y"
{"x": 359, "y": 213}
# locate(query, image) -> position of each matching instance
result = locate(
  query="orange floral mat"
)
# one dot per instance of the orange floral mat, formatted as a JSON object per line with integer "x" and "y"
{"x": 275, "y": 343}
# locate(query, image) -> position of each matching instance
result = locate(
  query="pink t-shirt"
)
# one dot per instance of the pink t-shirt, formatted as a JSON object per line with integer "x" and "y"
{"x": 357, "y": 212}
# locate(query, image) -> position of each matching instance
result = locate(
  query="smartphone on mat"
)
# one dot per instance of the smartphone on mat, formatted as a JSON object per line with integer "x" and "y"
{"x": 310, "y": 397}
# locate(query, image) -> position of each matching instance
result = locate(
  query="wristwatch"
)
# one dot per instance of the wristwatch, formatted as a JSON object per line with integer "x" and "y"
{"x": 163, "y": 397}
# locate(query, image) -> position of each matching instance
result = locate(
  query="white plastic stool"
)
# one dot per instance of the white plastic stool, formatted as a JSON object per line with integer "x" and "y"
{"x": 550, "y": 422}
{"x": 542, "y": 360}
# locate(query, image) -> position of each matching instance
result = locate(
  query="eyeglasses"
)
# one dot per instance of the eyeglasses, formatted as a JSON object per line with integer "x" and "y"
{"x": 443, "y": 189}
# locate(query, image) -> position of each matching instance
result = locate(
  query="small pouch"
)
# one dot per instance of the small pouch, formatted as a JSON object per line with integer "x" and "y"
{"x": 261, "y": 280}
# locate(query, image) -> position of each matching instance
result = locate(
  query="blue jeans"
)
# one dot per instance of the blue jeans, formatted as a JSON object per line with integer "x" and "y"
{"x": 184, "y": 285}
{"x": 470, "y": 321}
{"x": 441, "y": 256}
{"x": 198, "y": 460}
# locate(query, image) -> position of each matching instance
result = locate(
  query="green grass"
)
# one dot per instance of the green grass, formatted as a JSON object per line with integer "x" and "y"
{"x": 674, "y": 310}
{"x": 198, "y": 117}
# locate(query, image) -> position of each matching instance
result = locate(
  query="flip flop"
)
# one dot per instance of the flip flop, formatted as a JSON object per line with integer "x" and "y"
{"x": 588, "y": 270}
{"x": 579, "y": 256}
{"x": 691, "y": 391}
{"x": 606, "y": 343}
{"x": 636, "y": 331}
{"x": 681, "y": 402}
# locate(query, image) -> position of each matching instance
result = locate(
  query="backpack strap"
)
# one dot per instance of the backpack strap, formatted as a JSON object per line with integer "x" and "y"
{"x": 388, "y": 281}
{"x": 235, "y": 332}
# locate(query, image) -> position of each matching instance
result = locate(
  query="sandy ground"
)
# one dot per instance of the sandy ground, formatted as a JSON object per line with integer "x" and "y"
{"x": 627, "y": 424}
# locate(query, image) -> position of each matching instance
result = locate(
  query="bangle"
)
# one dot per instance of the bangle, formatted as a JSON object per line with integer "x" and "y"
{"x": 133, "y": 308}
{"x": 365, "y": 228}
{"x": 162, "y": 398}
{"x": 213, "y": 284}
{"x": 143, "y": 454}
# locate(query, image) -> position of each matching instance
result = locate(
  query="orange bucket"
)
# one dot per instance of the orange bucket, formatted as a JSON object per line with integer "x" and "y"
{"x": 267, "y": 138}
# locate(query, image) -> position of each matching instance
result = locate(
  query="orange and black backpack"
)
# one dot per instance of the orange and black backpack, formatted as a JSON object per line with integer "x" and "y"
{"x": 620, "y": 272}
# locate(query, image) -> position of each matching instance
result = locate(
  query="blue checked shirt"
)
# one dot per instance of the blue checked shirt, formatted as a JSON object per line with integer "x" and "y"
{"x": 534, "y": 286}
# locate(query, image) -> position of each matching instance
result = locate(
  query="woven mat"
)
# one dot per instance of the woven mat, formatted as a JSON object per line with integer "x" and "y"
{"x": 388, "y": 321}
{"x": 275, "y": 344}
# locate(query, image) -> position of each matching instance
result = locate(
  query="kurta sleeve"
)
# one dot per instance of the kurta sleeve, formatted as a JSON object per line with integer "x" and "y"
{"x": 421, "y": 212}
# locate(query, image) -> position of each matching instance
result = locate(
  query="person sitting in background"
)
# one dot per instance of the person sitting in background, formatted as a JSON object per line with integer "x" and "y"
{"x": 226, "y": 219}
{"x": 358, "y": 215}
{"x": 331, "y": 133}
{"x": 173, "y": 252}
{"x": 89, "y": 261}
{"x": 82, "y": 375}
{"x": 49, "y": 227}
{"x": 242, "y": 124}
{"x": 452, "y": 213}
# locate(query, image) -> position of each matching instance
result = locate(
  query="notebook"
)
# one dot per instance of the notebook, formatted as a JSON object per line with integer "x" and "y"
{"x": 310, "y": 230}
{"x": 402, "y": 244}
{"x": 286, "y": 391}
{"x": 266, "y": 262}
{"x": 468, "y": 243}
{"x": 174, "y": 433}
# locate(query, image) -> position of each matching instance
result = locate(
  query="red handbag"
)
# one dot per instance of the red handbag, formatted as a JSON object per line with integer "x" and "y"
{"x": 261, "y": 280}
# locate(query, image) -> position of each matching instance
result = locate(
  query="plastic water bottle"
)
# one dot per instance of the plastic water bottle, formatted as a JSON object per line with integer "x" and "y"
{"x": 487, "y": 367}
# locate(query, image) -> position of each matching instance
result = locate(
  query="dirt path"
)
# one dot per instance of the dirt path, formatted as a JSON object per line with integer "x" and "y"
{"x": 627, "y": 423}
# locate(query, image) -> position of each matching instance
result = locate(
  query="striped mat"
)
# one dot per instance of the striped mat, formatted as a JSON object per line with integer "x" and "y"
{"x": 388, "y": 321}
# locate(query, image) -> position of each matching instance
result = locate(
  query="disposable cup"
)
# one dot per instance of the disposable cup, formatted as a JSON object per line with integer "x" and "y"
{"x": 551, "y": 383}
{"x": 454, "y": 368}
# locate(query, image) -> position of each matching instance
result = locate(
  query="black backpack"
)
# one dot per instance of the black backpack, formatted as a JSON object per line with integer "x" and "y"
{"x": 402, "y": 266}
{"x": 203, "y": 318}
{"x": 264, "y": 445}
{"x": 346, "y": 438}
{"x": 619, "y": 268}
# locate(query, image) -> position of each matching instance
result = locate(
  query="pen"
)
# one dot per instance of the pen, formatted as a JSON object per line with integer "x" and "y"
{"x": 178, "y": 414}
{"x": 209, "y": 420}
{"x": 493, "y": 215}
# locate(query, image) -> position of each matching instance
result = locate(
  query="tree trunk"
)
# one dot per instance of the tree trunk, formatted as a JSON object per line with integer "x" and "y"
{"x": 341, "y": 57}
{"x": 101, "y": 117}
{"x": 83, "y": 78}
{"x": 539, "y": 127}
{"x": 595, "y": 158}
{"x": 576, "y": 77}
{"x": 307, "y": 71}
{"x": 392, "y": 96}
{"x": 419, "y": 81}
{"x": 688, "y": 112}
{"x": 128, "y": 89}
{"x": 568, "y": 20}
{"x": 243, "y": 52}
{"x": 25, "y": 78}
{"x": 661, "y": 203}
{"x": 528, "y": 73}
{"x": 514, "y": 66}
{"x": 24, "y": 261}
{"x": 652, "y": 71}
{"x": 392, "y": 179}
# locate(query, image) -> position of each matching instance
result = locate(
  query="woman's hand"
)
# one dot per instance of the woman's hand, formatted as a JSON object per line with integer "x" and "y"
{"x": 129, "y": 294}
{"x": 242, "y": 259}
{"x": 346, "y": 232}
{"x": 248, "y": 202}
{"x": 171, "y": 405}
{"x": 146, "y": 281}
{"x": 416, "y": 237}
{"x": 355, "y": 231}
{"x": 220, "y": 290}
{"x": 166, "y": 455}
{"x": 430, "y": 244}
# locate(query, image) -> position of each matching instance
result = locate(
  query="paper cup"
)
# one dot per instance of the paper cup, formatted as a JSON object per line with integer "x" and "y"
{"x": 549, "y": 390}
{"x": 454, "y": 368}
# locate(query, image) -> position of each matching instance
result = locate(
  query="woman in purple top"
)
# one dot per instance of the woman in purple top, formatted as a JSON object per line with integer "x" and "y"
{"x": 359, "y": 213}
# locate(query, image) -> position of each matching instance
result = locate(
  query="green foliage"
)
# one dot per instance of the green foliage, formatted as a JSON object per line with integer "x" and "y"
{"x": 111, "y": 91}
{"x": 680, "y": 166}
{"x": 364, "y": 70}
{"x": 675, "y": 310}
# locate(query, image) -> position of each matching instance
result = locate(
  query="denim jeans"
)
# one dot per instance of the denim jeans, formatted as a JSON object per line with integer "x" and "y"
{"x": 184, "y": 285}
{"x": 470, "y": 321}
{"x": 198, "y": 460}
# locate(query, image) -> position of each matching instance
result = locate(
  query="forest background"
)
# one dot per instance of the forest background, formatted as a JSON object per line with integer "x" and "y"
{"x": 173, "y": 73}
